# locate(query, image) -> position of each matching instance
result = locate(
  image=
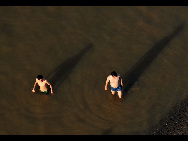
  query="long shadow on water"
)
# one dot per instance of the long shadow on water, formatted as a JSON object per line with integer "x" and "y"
{"x": 136, "y": 71}
{"x": 60, "y": 73}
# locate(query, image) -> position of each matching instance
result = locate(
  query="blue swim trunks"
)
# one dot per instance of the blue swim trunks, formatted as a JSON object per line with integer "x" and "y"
{"x": 119, "y": 88}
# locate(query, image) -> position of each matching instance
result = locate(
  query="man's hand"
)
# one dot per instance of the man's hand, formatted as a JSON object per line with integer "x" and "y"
{"x": 105, "y": 88}
{"x": 33, "y": 90}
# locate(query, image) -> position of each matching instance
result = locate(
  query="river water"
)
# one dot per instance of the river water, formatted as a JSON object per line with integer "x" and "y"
{"x": 75, "y": 49}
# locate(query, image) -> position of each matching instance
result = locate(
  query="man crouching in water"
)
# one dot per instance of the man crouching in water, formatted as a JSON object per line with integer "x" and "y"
{"x": 114, "y": 79}
{"x": 42, "y": 84}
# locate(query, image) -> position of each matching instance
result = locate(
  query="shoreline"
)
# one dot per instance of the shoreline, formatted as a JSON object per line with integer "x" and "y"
{"x": 175, "y": 123}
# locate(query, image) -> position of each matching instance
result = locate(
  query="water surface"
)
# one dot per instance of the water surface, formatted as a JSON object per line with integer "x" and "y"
{"x": 76, "y": 48}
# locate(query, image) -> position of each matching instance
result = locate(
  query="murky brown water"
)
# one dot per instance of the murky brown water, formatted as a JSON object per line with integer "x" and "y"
{"x": 76, "y": 48}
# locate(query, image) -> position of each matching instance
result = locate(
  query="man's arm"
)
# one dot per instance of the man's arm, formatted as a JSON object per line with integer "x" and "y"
{"x": 121, "y": 82}
{"x": 120, "y": 79}
{"x": 34, "y": 86}
{"x": 107, "y": 83}
{"x": 50, "y": 86}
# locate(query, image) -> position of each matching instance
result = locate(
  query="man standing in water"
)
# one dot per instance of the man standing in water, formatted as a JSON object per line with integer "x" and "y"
{"x": 42, "y": 84}
{"x": 115, "y": 79}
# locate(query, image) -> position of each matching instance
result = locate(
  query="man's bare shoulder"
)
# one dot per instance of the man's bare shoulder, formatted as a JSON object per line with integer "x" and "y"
{"x": 44, "y": 80}
{"x": 109, "y": 76}
{"x": 37, "y": 80}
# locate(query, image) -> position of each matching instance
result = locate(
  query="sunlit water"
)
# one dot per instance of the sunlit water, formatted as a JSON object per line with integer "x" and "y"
{"x": 76, "y": 48}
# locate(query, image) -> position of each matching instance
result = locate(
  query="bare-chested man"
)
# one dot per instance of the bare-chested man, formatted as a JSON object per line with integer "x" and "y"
{"x": 114, "y": 79}
{"x": 43, "y": 85}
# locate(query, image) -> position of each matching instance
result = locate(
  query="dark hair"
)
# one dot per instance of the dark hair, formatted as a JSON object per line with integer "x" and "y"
{"x": 39, "y": 77}
{"x": 114, "y": 73}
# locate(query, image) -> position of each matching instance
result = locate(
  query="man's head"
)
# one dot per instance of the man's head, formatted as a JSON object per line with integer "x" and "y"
{"x": 40, "y": 77}
{"x": 114, "y": 73}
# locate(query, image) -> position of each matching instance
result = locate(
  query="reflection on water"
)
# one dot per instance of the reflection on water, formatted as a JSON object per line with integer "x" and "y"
{"x": 146, "y": 45}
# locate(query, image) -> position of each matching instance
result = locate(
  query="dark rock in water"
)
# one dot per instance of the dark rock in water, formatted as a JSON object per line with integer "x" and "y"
{"x": 176, "y": 122}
